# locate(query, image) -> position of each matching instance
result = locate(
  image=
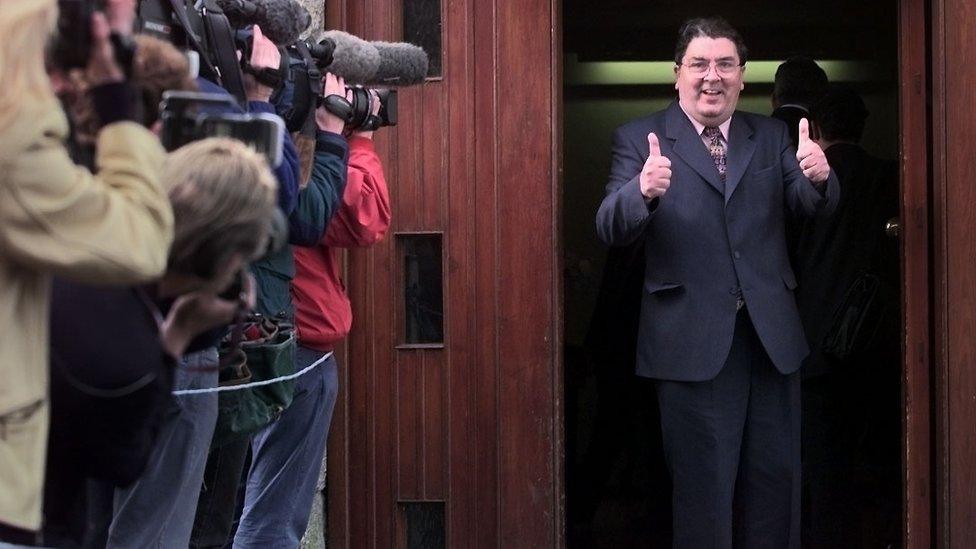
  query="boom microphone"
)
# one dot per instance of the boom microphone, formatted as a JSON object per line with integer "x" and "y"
{"x": 401, "y": 64}
{"x": 376, "y": 63}
{"x": 353, "y": 58}
{"x": 282, "y": 21}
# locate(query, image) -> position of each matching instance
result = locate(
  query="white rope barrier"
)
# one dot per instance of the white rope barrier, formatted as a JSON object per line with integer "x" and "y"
{"x": 254, "y": 384}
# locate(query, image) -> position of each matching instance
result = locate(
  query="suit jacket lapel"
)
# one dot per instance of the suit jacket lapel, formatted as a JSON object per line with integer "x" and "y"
{"x": 688, "y": 145}
{"x": 741, "y": 148}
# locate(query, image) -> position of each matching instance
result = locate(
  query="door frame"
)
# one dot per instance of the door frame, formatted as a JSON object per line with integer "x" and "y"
{"x": 914, "y": 154}
{"x": 916, "y": 264}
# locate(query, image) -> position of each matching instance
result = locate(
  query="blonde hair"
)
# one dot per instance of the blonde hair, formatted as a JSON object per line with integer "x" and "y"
{"x": 25, "y": 27}
{"x": 223, "y": 197}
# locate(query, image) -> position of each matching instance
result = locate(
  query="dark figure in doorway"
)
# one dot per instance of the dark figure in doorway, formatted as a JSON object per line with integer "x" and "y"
{"x": 719, "y": 329}
{"x": 850, "y": 390}
{"x": 622, "y": 478}
{"x": 798, "y": 84}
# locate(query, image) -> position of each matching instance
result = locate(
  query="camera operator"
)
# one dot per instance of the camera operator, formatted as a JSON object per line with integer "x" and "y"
{"x": 109, "y": 399}
{"x": 59, "y": 219}
{"x": 287, "y": 455}
{"x": 314, "y": 207}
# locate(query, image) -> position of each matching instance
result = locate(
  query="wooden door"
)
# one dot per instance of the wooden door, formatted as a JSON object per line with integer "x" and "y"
{"x": 460, "y": 435}
{"x": 914, "y": 122}
{"x": 954, "y": 255}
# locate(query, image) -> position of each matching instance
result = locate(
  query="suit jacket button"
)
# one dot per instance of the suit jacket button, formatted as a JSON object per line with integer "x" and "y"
{"x": 736, "y": 255}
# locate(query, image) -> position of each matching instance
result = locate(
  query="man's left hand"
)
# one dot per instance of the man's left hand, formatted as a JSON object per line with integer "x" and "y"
{"x": 811, "y": 157}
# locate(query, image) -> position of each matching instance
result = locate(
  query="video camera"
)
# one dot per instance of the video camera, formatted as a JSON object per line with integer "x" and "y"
{"x": 302, "y": 91}
{"x": 185, "y": 119}
{"x": 212, "y": 29}
{"x": 298, "y": 81}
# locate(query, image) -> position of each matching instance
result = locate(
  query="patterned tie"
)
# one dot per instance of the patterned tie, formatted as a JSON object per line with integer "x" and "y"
{"x": 716, "y": 148}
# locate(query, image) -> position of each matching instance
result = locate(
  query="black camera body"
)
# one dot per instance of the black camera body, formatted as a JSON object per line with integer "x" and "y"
{"x": 185, "y": 119}
{"x": 302, "y": 92}
{"x": 355, "y": 111}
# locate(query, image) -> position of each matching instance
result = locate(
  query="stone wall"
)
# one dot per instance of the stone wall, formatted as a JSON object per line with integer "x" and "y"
{"x": 317, "y": 9}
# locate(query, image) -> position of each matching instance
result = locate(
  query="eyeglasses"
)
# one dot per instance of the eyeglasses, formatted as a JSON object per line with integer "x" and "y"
{"x": 699, "y": 67}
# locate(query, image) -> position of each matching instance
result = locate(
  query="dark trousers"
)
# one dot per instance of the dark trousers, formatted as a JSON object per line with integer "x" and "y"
{"x": 733, "y": 447}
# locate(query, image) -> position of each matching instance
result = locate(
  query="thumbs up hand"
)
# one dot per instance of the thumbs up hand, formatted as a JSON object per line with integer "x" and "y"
{"x": 655, "y": 177}
{"x": 811, "y": 157}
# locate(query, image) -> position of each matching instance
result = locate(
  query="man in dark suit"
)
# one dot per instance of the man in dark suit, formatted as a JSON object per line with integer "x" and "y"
{"x": 798, "y": 84}
{"x": 708, "y": 187}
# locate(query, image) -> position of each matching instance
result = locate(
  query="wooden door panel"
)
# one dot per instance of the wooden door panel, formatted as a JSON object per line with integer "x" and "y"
{"x": 409, "y": 447}
{"x": 472, "y": 424}
{"x": 526, "y": 271}
{"x": 960, "y": 217}
{"x": 914, "y": 219}
{"x": 954, "y": 206}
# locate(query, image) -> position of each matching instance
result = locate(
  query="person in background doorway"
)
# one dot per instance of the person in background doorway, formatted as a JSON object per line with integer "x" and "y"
{"x": 798, "y": 84}
{"x": 851, "y": 427}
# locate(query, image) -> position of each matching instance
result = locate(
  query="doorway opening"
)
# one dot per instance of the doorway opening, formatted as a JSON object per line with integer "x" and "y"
{"x": 618, "y": 58}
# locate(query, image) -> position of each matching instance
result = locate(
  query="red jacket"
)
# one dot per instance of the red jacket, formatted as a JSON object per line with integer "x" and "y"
{"x": 322, "y": 311}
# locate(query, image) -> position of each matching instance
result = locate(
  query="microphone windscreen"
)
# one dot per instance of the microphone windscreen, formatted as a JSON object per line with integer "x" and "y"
{"x": 354, "y": 59}
{"x": 282, "y": 21}
{"x": 401, "y": 64}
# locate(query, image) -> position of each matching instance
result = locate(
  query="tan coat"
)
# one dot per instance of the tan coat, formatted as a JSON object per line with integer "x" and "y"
{"x": 56, "y": 219}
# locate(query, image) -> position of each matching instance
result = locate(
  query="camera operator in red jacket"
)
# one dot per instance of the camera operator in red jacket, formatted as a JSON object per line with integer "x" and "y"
{"x": 286, "y": 456}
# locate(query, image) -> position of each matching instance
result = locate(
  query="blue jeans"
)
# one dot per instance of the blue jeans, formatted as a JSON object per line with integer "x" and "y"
{"x": 286, "y": 457}
{"x": 157, "y": 509}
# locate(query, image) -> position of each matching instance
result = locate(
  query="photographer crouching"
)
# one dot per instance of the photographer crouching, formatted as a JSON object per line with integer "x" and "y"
{"x": 158, "y": 508}
{"x": 117, "y": 354}
{"x": 58, "y": 219}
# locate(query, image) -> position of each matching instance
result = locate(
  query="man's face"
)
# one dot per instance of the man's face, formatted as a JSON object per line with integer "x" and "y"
{"x": 709, "y": 95}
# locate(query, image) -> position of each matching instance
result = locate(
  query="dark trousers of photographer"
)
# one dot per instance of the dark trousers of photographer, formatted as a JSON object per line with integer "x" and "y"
{"x": 158, "y": 509}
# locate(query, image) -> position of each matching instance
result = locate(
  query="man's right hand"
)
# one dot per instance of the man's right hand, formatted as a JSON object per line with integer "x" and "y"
{"x": 326, "y": 121}
{"x": 655, "y": 177}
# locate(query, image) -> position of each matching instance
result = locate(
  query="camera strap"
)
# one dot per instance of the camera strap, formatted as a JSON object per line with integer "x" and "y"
{"x": 221, "y": 37}
{"x": 309, "y": 128}
{"x": 179, "y": 10}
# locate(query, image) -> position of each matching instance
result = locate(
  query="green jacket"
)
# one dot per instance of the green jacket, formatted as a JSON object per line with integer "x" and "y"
{"x": 317, "y": 203}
